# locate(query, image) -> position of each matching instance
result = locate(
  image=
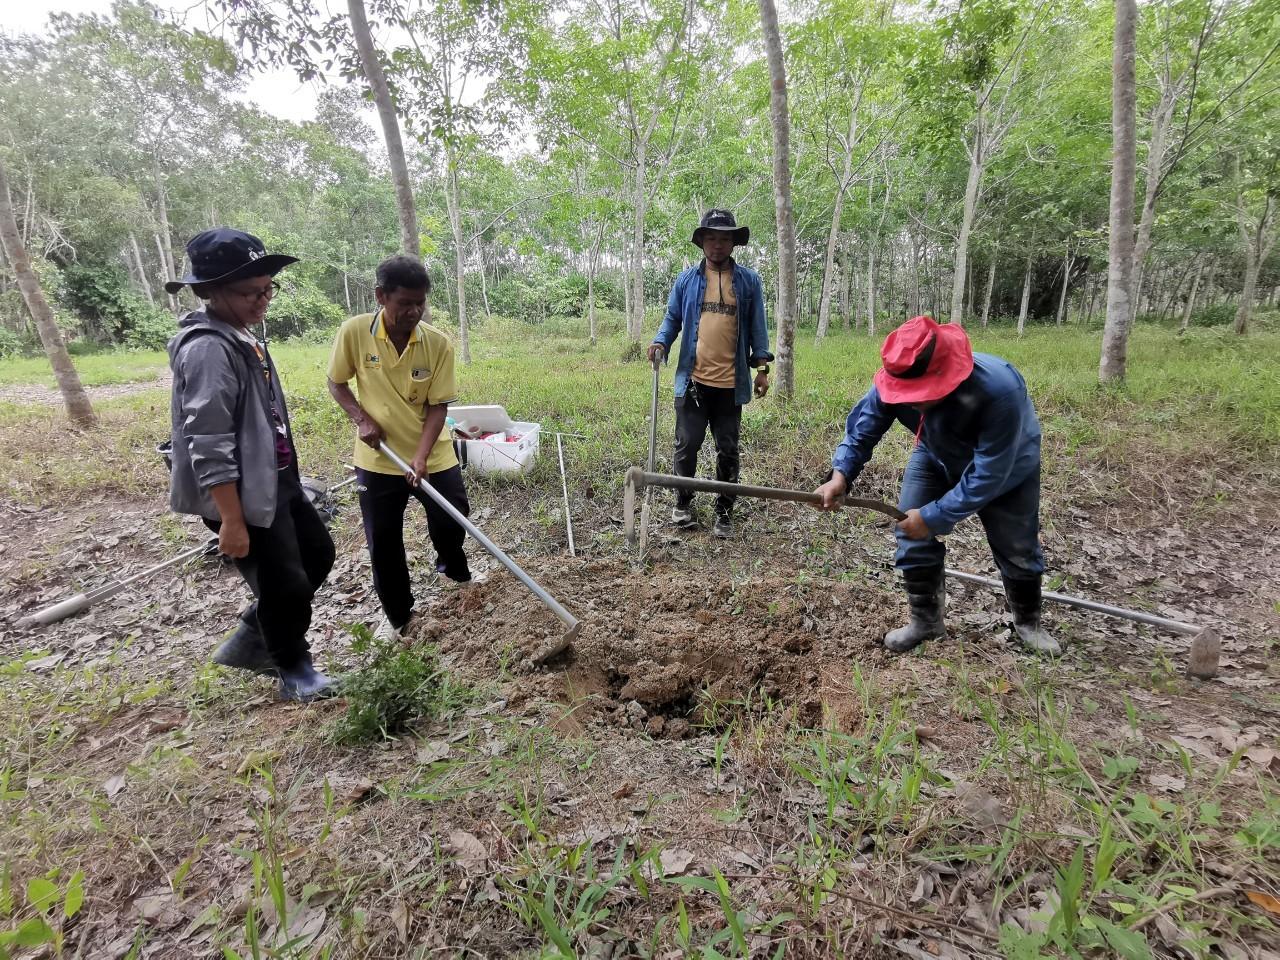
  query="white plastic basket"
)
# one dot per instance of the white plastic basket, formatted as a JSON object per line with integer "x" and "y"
{"x": 512, "y": 448}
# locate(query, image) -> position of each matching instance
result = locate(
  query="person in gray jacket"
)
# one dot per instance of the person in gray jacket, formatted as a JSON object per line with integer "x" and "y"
{"x": 234, "y": 461}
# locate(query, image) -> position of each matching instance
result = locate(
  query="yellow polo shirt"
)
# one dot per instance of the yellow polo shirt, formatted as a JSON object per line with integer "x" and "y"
{"x": 395, "y": 389}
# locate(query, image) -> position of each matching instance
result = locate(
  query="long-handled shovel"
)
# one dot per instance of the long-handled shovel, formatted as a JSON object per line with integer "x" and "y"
{"x": 318, "y": 497}
{"x": 1205, "y": 644}
{"x": 552, "y": 604}
{"x": 650, "y": 461}
{"x": 83, "y": 601}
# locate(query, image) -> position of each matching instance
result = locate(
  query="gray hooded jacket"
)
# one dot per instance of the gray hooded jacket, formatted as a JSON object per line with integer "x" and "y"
{"x": 220, "y": 413}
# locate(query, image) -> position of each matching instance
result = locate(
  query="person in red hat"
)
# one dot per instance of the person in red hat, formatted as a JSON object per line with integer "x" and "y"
{"x": 977, "y": 451}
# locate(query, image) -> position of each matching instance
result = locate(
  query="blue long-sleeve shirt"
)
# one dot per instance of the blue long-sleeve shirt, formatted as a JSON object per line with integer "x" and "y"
{"x": 984, "y": 435}
{"x": 684, "y": 311}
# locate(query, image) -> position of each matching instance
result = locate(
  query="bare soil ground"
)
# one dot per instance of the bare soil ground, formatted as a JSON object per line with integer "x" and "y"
{"x": 726, "y": 760}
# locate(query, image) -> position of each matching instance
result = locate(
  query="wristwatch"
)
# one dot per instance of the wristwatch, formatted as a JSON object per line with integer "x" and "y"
{"x": 764, "y": 370}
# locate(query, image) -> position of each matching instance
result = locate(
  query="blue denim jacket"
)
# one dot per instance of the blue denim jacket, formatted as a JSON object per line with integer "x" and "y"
{"x": 684, "y": 310}
{"x": 984, "y": 435}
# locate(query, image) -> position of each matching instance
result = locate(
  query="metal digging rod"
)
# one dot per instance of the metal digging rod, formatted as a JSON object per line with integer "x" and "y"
{"x": 83, "y": 601}
{"x": 1205, "y": 645}
{"x": 569, "y": 619}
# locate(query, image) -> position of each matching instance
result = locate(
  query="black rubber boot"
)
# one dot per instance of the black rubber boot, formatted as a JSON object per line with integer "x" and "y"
{"x": 304, "y": 683}
{"x": 926, "y": 593}
{"x": 245, "y": 649}
{"x": 1025, "y": 603}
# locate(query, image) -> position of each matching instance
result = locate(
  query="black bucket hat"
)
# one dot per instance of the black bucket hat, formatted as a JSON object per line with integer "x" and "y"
{"x": 721, "y": 220}
{"x": 222, "y": 254}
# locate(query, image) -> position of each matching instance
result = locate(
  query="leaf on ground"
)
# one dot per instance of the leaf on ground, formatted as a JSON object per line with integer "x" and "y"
{"x": 1266, "y": 901}
{"x": 353, "y": 791}
{"x": 468, "y": 851}
{"x": 432, "y": 751}
{"x": 979, "y": 806}
{"x": 675, "y": 861}
{"x": 306, "y": 925}
{"x": 158, "y": 909}
{"x": 1264, "y": 757}
{"x": 114, "y": 785}
{"x": 400, "y": 920}
{"x": 44, "y": 664}
{"x": 1169, "y": 784}
{"x": 1197, "y": 747}
{"x": 256, "y": 758}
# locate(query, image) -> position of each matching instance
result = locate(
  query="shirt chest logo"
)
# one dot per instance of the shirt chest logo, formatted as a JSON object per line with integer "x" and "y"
{"x": 372, "y": 360}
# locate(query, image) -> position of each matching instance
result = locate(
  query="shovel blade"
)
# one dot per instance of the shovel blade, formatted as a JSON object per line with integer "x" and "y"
{"x": 1206, "y": 650}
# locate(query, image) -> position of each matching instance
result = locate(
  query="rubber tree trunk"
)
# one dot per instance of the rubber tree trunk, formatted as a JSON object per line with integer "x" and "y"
{"x": 453, "y": 201}
{"x": 833, "y": 236}
{"x": 871, "y": 291}
{"x": 977, "y": 161}
{"x": 1189, "y": 307}
{"x": 635, "y": 320}
{"x": 1255, "y": 242}
{"x": 141, "y": 268}
{"x": 846, "y": 282}
{"x": 1161, "y": 117}
{"x": 164, "y": 244}
{"x": 410, "y": 241}
{"x": 781, "y": 200}
{"x": 593, "y": 264}
{"x": 991, "y": 282}
{"x": 1115, "y": 335}
{"x": 914, "y": 309}
{"x": 79, "y": 409}
{"x": 1066, "y": 285}
{"x": 1026, "y": 298}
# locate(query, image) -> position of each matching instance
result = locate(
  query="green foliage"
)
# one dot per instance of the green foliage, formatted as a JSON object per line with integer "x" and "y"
{"x": 48, "y": 904}
{"x": 1218, "y": 315}
{"x": 399, "y": 686}
{"x": 111, "y": 311}
{"x": 300, "y": 309}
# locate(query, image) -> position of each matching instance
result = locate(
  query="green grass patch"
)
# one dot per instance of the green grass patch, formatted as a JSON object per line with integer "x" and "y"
{"x": 95, "y": 369}
{"x": 1207, "y": 396}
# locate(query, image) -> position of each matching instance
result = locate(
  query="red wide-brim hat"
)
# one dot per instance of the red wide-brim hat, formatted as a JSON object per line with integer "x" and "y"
{"x": 923, "y": 361}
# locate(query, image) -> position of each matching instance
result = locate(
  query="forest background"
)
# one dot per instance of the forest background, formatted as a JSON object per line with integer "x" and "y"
{"x": 945, "y": 158}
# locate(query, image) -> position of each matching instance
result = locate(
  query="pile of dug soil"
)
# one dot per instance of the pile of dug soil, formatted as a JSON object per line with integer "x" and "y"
{"x": 656, "y": 648}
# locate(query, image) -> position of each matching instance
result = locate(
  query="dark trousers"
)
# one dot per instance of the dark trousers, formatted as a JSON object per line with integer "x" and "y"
{"x": 699, "y": 408}
{"x": 1011, "y": 521}
{"x": 383, "y": 498}
{"x": 285, "y": 566}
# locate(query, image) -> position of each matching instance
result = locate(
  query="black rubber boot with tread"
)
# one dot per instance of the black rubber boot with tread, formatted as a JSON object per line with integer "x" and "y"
{"x": 926, "y": 595}
{"x": 1025, "y": 603}
{"x": 246, "y": 649}
{"x": 303, "y": 682}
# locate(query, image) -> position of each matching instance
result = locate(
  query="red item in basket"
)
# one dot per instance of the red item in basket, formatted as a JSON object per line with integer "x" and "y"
{"x": 499, "y": 435}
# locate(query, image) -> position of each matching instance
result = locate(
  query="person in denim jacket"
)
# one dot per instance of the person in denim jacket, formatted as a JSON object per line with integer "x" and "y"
{"x": 717, "y": 309}
{"x": 977, "y": 451}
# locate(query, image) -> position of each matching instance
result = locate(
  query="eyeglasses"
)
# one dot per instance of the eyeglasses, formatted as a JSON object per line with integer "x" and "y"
{"x": 266, "y": 293}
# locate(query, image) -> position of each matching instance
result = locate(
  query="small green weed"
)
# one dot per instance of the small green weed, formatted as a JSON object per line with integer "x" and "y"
{"x": 399, "y": 686}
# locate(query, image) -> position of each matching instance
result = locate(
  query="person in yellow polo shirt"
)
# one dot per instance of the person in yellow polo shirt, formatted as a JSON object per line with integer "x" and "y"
{"x": 403, "y": 370}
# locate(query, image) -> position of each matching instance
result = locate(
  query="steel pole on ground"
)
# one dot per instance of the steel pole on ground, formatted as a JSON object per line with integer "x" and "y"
{"x": 564, "y": 488}
{"x": 650, "y": 460}
{"x": 569, "y": 620}
{"x": 82, "y": 601}
{"x": 1205, "y": 644}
